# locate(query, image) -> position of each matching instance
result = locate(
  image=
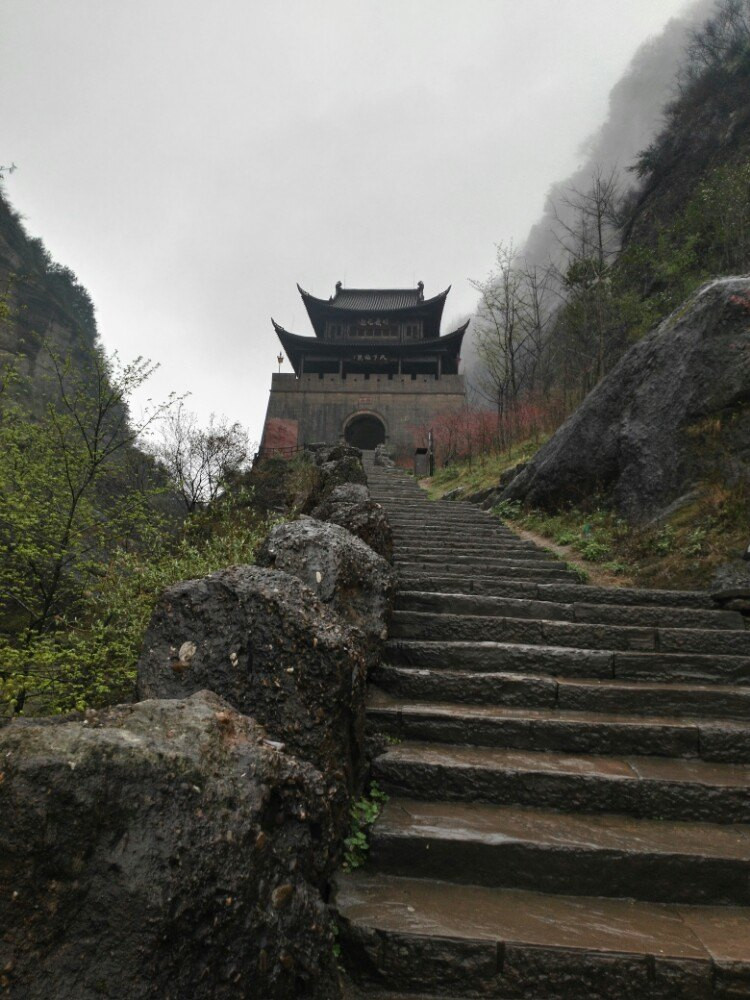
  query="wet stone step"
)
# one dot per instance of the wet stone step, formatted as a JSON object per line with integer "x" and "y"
{"x": 459, "y": 582}
{"x": 609, "y": 855}
{"x": 566, "y": 661}
{"x": 489, "y": 548}
{"x": 455, "y": 603}
{"x": 434, "y": 541}
{"x": 458, "y": 546}
{"x": 420, "y": 934}
{"x": 423, "y": 530}
{"x": 461, "y": 686}
{"x": 495, "y": 657}
{"x": 431, "y": 541}
{"x": 675, "y": 698}
{"x": 553, "y": 729}
{"x": 545, "y": 572}
{"x": 568, "y": 694}
{"x": 647, "y": 787}
{"x": 494, "y": 557}
{"x": 459, "y": 527}
{"x": 472, "y": 539}
{"x": 404, "y": 510}
{"x": 583, "y": 635}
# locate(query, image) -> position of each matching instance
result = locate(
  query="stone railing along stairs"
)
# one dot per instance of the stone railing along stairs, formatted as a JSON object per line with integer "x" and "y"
{"x": 569, "y": 779}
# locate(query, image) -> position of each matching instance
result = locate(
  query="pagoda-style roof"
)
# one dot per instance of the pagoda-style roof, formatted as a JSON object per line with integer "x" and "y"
{"x": 297, "y": 347}
{"x": 391, "y": 303}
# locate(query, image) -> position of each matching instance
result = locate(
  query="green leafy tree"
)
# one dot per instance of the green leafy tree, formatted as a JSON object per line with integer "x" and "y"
{"x": 62, "y": 508}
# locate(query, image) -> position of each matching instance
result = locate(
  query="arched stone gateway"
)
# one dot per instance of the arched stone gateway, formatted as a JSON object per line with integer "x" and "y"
{"x": 377, "y": 367}
{"x": 365, "y": 431}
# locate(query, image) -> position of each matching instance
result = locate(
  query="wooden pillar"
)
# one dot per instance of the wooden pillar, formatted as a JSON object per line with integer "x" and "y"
{"x": 439, "y": 365}
{"x": 302, "y": 365}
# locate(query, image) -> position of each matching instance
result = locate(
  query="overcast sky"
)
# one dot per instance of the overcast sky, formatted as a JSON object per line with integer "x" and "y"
{"x": 191, "y": 160}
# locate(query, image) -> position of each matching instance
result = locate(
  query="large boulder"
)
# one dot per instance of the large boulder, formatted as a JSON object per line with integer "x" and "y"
{"x": 264, "y": 641}
{"x": 347, "y": 469}
{"x": 675, "y": 410}
{"x": 321, "y": 469}
{"x": 351, "y": 507}
{"x": 159, "y": 851}
{"x": 351, "y": 493}
{"x": 340, "y": 568}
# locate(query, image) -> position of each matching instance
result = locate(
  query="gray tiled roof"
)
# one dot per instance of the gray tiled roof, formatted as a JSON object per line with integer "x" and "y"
{"x": 372, "y": 299}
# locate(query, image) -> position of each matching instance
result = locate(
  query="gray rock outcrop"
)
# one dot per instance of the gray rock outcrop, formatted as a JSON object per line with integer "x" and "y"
{"x": 350, "y": 507}
{"x": 675, "y": 410}
{"x": 264, "y": 641}
{"x": 160, "y": 851}
{"x": 340, "y": 568}
{"x": 340, "y": 465}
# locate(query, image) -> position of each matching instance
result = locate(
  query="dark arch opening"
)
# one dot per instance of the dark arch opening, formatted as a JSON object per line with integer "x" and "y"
{"x": 365, "y": 432}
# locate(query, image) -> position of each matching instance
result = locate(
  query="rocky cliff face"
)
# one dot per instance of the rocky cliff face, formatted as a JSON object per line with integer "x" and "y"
{"x": 674, "y": 411}
{"x": 707, "y": 127}
{"x": 40, "y": 302}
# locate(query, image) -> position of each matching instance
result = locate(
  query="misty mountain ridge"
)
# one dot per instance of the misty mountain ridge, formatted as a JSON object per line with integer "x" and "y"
{"x": 635, "y": 117}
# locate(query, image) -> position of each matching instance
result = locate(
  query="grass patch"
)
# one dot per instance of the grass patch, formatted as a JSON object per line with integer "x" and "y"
{"x": 681, "y": 553}
{"x": 482, "y": 472}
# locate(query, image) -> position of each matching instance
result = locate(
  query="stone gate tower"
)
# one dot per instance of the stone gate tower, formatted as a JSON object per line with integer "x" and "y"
{"x": 375, "y": 371}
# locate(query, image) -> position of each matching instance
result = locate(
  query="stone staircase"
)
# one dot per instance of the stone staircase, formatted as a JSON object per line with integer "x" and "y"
{"x": 569, "y": 777}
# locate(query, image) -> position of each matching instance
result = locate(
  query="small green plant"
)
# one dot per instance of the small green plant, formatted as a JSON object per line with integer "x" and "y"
{"x": 363, "y": 814}
{"x": 336, "y": 943}
{"x": 594, "y": 551}
{"x": 579, "y": 571}
{"x": 566, "y": 537}
{"x": 618, "y": 568}
{"x": 696, "y": 542}
{"x": 664, "y": 541}
{"x": 507, "y": 510}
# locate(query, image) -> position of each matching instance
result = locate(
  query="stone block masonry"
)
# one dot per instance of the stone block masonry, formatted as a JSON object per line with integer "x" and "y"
{"x": 322, "y": 406}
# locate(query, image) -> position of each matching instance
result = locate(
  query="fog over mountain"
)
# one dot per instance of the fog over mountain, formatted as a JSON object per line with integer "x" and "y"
{"x": 635, "y": 106}
{"x": 634, "y": 118}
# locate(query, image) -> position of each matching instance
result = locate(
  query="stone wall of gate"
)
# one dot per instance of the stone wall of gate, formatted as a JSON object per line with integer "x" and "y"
{"x": 322, "y": 405}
